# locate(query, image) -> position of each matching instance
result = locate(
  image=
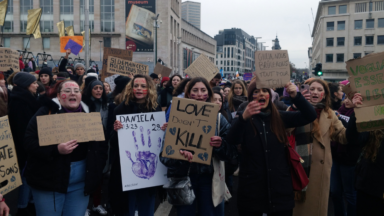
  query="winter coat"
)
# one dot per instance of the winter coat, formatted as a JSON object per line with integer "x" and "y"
{"x": 21, "y": 65}
{"x": 21, "y": 108}
{"x": 165, "y": 97}
{"x": 118, "y": 198}
{"x": 265, "y": 183}
{"x": 317, "y": 194}
{"x": 369, "y": 175}
{"x": 49, "y": 170}
{"x": 226, "y": 109}
{"x": 62, "y": 68}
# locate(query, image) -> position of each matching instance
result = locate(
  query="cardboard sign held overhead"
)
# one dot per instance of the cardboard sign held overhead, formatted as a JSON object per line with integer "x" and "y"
{"x": 75, "y": 47}
{"x": 161, "y": 69}
{"x": 202, "y": 67}
{"x": 64, "y": 41}
{"x": 120, "y": 53}
{"x": 10, "y": 171}
{"x": 60, "y": 128}
{"x": 190, "y": 127}
{"x": 272, "y": 68}
{"x": 9, "y": 58}
{"x": 124, "y": 67}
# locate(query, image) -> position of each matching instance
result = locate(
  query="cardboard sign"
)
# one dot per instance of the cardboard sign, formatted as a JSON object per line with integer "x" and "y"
{"x": 202, "y": 67}
{"x": 120, "y": 53}
{"x": 140, "y": 142}
{"x": 75, "y": 47}
{"x": 161, "y": 69}
{"x": 9, "y": 58}
{"x": 9, "y": 169}
{"x": 125, "y": 67}
{"x": 64, "y": 40}
{"x": 60, "y": 128}
{"x": 190, "y": 127}
{"x": 348, "y": 91}
{"x": 272, "y": 68}
{"x": 366, "y": 78}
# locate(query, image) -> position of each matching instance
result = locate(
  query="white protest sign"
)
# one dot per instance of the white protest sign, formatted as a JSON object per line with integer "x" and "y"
{"x": 140, "y": 142}
{"x": 111, "y": 81}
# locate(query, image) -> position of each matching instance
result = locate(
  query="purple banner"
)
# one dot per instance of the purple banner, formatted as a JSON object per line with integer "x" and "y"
{"x": 247, "y": 76}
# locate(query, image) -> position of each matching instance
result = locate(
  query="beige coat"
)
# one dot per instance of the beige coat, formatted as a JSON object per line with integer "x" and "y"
{"x": 316, "y": 203}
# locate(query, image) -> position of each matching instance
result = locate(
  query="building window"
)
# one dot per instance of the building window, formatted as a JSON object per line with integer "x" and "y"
{"x": 216, "y": 62}
{"x": 340, "y": 41}
{"x": 8, "y": 23}
{"x": 25, "y": 5}
{"x": 46, "y": 43}
{"x": 341, "y": 25}
{"x": 361, "y": 7}
{"x": 107, "y": 16}
{"x": 380, "y": 23}
{"x": 26, "y": 43}
{"x": 66, "y": 12}
{"x": 368, "y": 40}
{"x": 221, "y": 62}
{"x": 329, "y": 42}
{"x": 342, "y": 9}
{"x": 358, "y": 41}
{"x": 358, "y": 24}
{"x": 46, "y": 21}
{"x": 379, "y": 5}
{"x": 107, "y": 42}
{"x": 370, "y": 23}
{"x": 329, "y": 58}
{"x": 380, "y": 39}
{"x": 339, "y": 57}
{"x": 331, "y": 10}
{"x": 330, "y": 26}
{"x": 356, "y": 55}
{"x": 7, "y": 42}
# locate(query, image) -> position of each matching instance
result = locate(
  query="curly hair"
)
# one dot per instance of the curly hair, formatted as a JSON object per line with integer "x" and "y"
{"x": 150, "y": 100}
{"x": 232, "y": 93}
{"x": 373, "y": 145}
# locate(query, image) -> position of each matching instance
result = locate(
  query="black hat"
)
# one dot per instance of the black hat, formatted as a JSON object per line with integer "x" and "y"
{"x": 46, "y": 70}
{"x": 154, "y": 76}
{"x": 121, "y": 82}
{"x": 23, "y": 79}
{"x": 88, "y": 80}
{"x": 91, "y": 71}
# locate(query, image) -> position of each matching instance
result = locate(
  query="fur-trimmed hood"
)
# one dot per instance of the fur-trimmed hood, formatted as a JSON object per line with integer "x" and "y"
{"x": 54, "y": 104}
{"x": 83, "y": 105}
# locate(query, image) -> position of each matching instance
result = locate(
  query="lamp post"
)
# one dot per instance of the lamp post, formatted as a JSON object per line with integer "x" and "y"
{"x": 100, "y": 49}
{"x": 155, "y": 26}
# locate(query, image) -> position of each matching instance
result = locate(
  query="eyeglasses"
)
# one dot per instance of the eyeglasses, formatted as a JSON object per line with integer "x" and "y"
{"x": 69, "y": 91}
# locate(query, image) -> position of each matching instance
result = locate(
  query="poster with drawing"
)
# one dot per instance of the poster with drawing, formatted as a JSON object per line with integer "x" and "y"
{"x": 140, "y": 142}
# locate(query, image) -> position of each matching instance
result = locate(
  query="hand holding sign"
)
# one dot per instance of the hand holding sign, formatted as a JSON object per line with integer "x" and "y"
{"x": 67, "y": 147}
{"x": 291, "y": 89}
{"x": 357, "y": 99}
{"x": 73, "y": 46}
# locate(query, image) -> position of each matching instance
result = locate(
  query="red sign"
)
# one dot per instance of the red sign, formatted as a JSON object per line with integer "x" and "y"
{"x": 131, "y": 45}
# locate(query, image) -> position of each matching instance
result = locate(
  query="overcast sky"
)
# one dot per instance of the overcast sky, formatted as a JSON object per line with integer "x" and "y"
{"x": 289, "y": 19}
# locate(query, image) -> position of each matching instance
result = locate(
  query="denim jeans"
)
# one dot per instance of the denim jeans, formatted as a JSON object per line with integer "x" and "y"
{"x": 25, "y": 194}
{"x": 72, "y": 203}
{"x": 142, "y": 200}
{"x": 342, "y": 186}
{"x": 202, "y": 187}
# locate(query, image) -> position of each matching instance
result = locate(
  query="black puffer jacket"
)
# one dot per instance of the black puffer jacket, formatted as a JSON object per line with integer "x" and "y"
{"x": 48, "y": 170}
{"x": 62, "y": 68}
{"x": 265, "y": 183}
{"x": 179, "y": 168}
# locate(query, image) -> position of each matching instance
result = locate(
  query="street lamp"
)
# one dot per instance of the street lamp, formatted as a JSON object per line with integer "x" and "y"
{"x": 155, "y": 26}
{"x": 100, "y": 49}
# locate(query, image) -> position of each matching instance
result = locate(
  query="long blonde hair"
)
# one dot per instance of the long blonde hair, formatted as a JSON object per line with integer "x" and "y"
{"x": 150, "y": 100}
{"x": 232, "y": 94}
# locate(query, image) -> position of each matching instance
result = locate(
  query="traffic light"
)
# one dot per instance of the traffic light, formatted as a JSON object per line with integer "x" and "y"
{"x": 318, "y": 70}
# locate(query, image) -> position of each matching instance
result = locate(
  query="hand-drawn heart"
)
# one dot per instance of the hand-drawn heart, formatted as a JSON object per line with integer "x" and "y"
{"x": 172, "y": 130}
{"x": 13, "y": 179}
{"x": 207, "y": 129}
{"x": 169, "y": 150}
{"x": 203, "y": 157}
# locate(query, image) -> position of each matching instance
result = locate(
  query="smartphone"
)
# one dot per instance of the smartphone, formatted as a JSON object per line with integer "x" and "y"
{"x": 304, "y": 87}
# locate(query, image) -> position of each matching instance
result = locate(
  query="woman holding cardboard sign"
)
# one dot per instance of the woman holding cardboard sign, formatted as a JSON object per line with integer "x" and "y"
{"x": 63, "y": 176}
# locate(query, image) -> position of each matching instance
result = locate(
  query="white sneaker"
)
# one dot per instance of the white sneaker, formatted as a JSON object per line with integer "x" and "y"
{"x": 87, "y": 213}
{"x": 99, "y": 209}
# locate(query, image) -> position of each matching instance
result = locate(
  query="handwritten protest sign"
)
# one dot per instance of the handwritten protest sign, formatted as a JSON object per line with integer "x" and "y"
{"x": 124, "y": 67}
{"x": 140, "y": 142}
{"x": 60, "y": 128}
{"x": 111, "y": 81}
{"x": 272, "y": 68}
{"x": 190, "y": 127}
{"x": 120, "y": 53}
{"x": 9, "y": 58}
{"x": 202, "y": 67}
{"x": 9, "y": 169}
{"x": 164, "y": 71}
{"x": 64, "y": 41}
{"x": 366, "y": 77}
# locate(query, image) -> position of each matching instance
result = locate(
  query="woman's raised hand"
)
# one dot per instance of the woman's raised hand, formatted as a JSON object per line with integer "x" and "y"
{"x": 252, "y": 108}
{"x": 291, "y": 89}
{"x": 357, "y": 99}
{"x": 68, "y": 147}
{"x": 164, "y": 127}
{"x": 117, "y": 125}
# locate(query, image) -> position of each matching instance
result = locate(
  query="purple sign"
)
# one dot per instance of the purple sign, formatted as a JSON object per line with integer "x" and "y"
{"x": 247, "y": 76}
{"x": 75, "y": 47}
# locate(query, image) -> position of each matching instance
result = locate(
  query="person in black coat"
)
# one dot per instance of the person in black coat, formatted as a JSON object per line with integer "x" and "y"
{"x": 21, "y": 108}
{"x": 63, "y": 176}
{"x": 265, "y": 184}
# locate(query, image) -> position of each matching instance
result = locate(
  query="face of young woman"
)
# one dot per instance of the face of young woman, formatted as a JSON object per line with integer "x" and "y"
{"x": 217, "y": 100}
{"x": 33, "y": 87}
{"x": 226, "y": 92}
{"x": 97, "y": 91}
{"x": 339, "y": 94}
{"x": 348, "y": 103}
{"x": 44, "y": 78}
{"x": 199, "y": 92}
{"x": 262, "y": 96}
{"x": 238, "y": 89}
{"x": 70, "y": 96}
{"x": 54, "y": 77}
{"x": 106, "y": 87}
{"x": 165, "y": 83}
{"x": 317, "y": 92}
{"x": 140, "y": 90}
{"x": 175, "y": 81}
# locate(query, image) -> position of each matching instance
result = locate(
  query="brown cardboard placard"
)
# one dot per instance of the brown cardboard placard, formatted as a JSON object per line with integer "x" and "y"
{"x": 272, "y": 68}
{"x": 120, "y": 66}
{"x": 120, "y": 53}
{"x": 190, "y": 127}
{"x": 348, "y": 91}
{"x": 202, "y": 67}
{"x": 10, "y": 175}
{"x": 9, "y": 58}
{"x": 60, "y": 128}
{"x": 370, "y": 118}
{"x": 161, "y": 69}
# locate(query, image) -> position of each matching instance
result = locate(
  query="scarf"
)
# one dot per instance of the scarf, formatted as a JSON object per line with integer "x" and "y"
{"x": 237, "y": 100}
{"x": 79, "y": 109}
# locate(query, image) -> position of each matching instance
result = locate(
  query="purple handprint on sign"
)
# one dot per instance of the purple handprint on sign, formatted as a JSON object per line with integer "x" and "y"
{"x": 149, "y": 138}
{"x": 135, "y": 140}
{"x": 142, "y": 135}
{"x": 159, "y": 140}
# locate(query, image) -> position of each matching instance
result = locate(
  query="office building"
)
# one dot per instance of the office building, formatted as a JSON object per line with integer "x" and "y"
{"x": 191, "y": 12}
